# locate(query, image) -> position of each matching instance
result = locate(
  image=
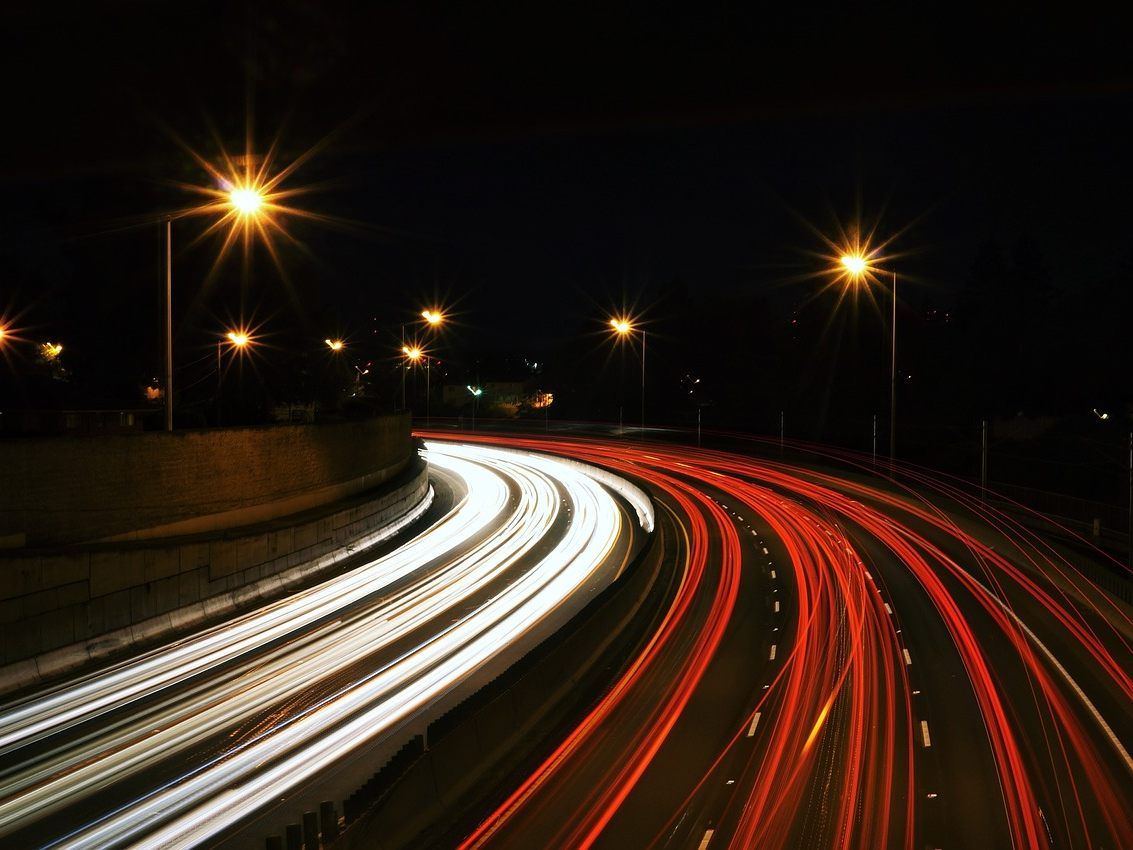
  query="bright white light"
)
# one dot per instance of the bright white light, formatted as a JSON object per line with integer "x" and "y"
{"x": 246, "y": 201}
{"x": 190, "y": 809}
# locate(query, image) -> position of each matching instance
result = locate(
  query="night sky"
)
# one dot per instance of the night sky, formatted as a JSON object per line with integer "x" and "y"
{"x": 533, "y": 170}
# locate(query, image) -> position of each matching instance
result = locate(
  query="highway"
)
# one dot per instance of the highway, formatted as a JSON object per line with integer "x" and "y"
{"x": 192, "y": 742}
{"x": 851, "y": 660}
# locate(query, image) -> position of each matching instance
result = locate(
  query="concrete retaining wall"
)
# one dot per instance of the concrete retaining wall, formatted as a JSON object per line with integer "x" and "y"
{"x": 62, "y": 490}
{"x": 61, "y": 609}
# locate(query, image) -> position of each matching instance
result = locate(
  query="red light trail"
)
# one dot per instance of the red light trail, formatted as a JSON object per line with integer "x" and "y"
{"x": 860, "y": 723}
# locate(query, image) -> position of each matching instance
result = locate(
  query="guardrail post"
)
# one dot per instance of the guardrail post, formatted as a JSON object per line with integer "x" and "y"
{"x": 328, "y": 820}
{"x": 310, "y": 831}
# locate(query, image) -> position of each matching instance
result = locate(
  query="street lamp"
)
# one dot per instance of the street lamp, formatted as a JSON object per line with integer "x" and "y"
{"x": 335, "y": 344}
{"x": 433, "y": 318}
{"x": 244, "y": 202}
{"x": 856, "y": 266}
{"x": 476, "y": 393}
{"x": 237, "y": 339}
{"x": 624, "y": 327}
{"x": 413, "y": 354}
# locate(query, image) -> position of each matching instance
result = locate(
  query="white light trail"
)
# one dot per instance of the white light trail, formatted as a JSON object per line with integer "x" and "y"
{"x": 514, "y": 500}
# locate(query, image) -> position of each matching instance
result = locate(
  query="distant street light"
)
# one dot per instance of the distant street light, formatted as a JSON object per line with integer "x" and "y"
{"x": 413, "y": 355}
{"x": 335, "y": 344}
{"x": 623, "y": 327}
{"x": 50, "y": 350}
{"x": 433, "y": 318}
{"x": 245, "y": 202}
{"x": 476, "y": 393}
{"x": 238, "y": 339}
{"x": 858, "y": 268}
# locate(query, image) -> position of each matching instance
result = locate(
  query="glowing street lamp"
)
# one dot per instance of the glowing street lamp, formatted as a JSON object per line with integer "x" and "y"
{"x": 433, "y": 317}
{"x": 335, "y": 344}
{"x": 476, "y": 393}
{"x": 623, "y": 327}
{"x": 857, "y": 267}
{"x": 237, "y": 339}
{"x": 246, "y": 202}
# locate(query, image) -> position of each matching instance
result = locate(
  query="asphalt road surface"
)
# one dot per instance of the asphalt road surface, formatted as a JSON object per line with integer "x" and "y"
{"x": 189, "y": 743}
{"x": 851, "y": 660}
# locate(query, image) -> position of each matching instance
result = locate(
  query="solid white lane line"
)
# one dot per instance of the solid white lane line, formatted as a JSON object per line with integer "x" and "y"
{"x": 774, "y": 649}
{"x": 707, "y": 837}
{"x": 924, "y": 733}
{"x": 754, "y": 723}
{"x": 908, "y": 660}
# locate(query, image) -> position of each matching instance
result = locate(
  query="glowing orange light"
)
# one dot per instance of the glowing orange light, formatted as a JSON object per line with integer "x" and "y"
{"x": 238, "y": 338}
{"x": 413, "y": 353}
{"x": 246, "y": 200}
{"x": 433, "y": 317}
{"x": 335, "y": 344}
{"x": 855, "y": 264}
{"x": 622, "y": 326}
{"x": 50, "y": 350}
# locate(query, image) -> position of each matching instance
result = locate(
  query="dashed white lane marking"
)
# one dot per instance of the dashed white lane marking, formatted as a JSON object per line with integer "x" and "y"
{"x": 908, "y": 660}
{"x": 774, "y": 649}
{"x": 754, "y": 723}
{"x": 888, "y": 609}
{"x": 776, "y": 606}
{"x": 924, "y": 733}
{"x": 765, "y": 552}
{"x": 773, "y": 574}
{"x": 707, "y": 837}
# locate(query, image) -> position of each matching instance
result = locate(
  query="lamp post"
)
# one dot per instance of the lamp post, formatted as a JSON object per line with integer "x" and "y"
{"x": 434, "y": 318}
{"x": 245, "y": 203}
{"x": 238, "y": 340}
{"x": 413, "y": 354}
{"x": 856, "y": 267}
{"x": 476, "y": 393}
{"x": 624, "y": 328}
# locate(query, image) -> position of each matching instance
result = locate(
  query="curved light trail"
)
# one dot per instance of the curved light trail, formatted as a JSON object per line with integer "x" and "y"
{"x": 928, "y": 674}
{"x": 258, "y": 705}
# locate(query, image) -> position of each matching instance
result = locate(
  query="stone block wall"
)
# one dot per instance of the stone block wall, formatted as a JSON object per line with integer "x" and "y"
{"x": 61, "y": 490}
{"x": 62, "y": 608}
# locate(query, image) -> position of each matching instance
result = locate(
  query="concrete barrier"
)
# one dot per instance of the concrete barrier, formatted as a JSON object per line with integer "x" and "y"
{"x": 61, "y": 610}
{"x": 61, "y": 490}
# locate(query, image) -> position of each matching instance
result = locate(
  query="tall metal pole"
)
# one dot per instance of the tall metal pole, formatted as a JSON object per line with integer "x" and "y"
{"x": 643, "y": 384}
{"x": 875, "y": 439}
{"x": 698, "y": 411}
{"x": 893, "y": 380}
{"x": 428, "y": 385}
{"x": 983, "y": 460}
{"x": 780, "y": 430}
{"x": 169, "y": 324}
{"x": 219, "y": 383}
